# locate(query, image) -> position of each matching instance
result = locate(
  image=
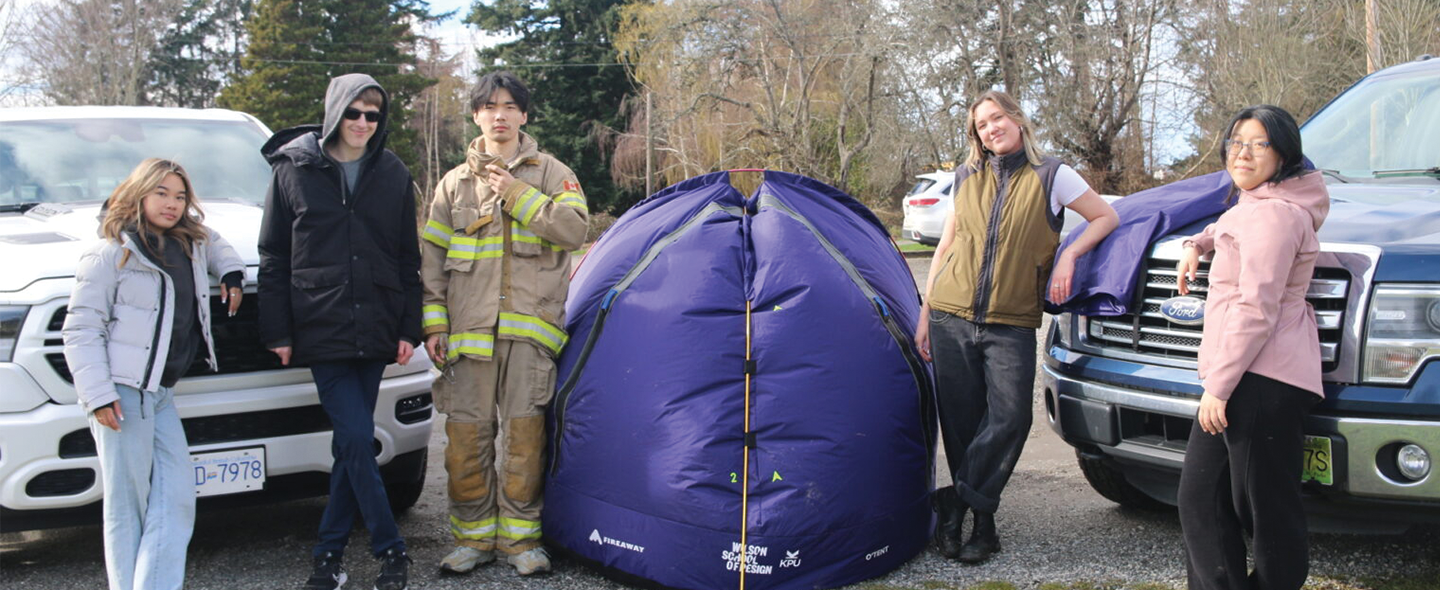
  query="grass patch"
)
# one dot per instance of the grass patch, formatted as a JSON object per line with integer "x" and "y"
{"x": 1111, "y": 585}
{"x": 936, "y": 585}
{"x": 916, "y": 247}
{"x": 992, "y": 585}
{"x": 1429, "y": 581}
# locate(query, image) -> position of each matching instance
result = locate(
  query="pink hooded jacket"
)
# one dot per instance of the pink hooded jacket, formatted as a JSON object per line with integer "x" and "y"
{"x": 1256, "y": 316}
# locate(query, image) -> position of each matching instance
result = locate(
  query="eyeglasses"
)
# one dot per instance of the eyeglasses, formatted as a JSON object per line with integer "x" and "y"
{"x": 371, "y": 116}
{"x": 1257, "y": 148}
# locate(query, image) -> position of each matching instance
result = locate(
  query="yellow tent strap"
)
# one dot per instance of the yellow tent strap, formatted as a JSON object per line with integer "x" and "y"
{"x": 745, "y": 479}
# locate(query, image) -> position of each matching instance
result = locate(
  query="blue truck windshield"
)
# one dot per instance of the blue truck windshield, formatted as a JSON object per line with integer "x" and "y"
{"x": 1385, "y": 124}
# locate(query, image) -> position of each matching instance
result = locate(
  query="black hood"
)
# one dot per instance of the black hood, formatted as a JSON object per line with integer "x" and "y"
{"x": 344, "y": 90}
{"x": 303, "y": 143}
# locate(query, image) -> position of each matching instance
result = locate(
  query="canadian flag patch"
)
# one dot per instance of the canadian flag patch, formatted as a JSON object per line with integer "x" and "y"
{"x": 572, "y": 186}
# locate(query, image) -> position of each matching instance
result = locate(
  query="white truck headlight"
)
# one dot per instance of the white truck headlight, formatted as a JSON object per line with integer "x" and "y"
{"x": 1403, "y": 332}
{"x": 11, "y": 318}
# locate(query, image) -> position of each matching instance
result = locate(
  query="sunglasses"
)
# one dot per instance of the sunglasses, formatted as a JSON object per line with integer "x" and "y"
{"x": 371, "y": 116}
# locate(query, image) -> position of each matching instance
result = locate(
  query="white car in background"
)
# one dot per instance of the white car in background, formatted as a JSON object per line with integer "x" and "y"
{"x": 926, "y": 206}
{"x": 932, "y": 200}
{"x": 256, "y": 430}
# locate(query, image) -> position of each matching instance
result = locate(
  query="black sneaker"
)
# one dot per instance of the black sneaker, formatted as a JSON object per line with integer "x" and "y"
{"x": 394, "y": 570}
{"x": 329, "y": 573}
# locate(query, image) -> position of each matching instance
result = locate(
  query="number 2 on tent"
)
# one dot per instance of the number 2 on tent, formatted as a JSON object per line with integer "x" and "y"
{"x": 734, "y": 478}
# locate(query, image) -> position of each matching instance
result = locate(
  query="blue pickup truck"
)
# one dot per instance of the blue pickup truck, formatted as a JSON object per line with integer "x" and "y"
{"x": 1123, "y": 390}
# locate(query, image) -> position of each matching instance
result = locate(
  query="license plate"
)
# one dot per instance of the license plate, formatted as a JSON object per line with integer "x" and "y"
{"x": 229, "y": 472}
{"x": 1318, "y": 462}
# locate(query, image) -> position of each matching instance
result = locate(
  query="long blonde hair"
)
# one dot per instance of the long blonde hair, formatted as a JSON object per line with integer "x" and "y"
{"x": 125, "y": 209}
{"x": 1011, "y": 108}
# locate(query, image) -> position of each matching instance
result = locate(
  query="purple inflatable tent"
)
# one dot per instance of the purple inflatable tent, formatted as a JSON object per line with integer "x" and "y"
{"x": 740, "y": 402}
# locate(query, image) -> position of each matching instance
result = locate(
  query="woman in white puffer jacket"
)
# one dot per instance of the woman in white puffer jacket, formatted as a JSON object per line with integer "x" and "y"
{"x": 138, "y": 316}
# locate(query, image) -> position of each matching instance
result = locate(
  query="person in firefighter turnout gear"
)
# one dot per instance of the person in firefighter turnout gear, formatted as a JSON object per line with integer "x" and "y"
{"x": 496, "y": 265}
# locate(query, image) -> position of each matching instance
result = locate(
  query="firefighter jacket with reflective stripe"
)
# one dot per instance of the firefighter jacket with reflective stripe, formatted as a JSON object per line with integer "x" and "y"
{"x": 498, "y": 266}
{"x": 999, "y": 261}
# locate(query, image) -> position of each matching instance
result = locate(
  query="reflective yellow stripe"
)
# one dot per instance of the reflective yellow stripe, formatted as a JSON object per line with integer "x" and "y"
{"x": 437, "y": 233}
{"x": 434, "y": 315}
{"x": 465, "y": 248}
{"x": 514, "y": 528}
{"x": 466, "y": 343}
{"x": 528, "y": 204}
{"x": 475, "y": 530}
{"x": 514, "y": 324}
{"x": 519, "y": 233}
{"x": 571, "y": 199}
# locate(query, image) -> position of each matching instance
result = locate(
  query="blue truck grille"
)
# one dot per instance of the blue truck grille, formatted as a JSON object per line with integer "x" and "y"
{"x": 1150, "y": 334}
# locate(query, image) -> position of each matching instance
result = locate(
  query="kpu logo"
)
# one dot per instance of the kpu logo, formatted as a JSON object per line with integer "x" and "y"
{"x": 792, "y": 559}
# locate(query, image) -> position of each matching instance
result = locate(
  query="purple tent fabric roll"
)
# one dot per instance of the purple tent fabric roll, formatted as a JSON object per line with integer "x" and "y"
{"x": 1106, "y": 278}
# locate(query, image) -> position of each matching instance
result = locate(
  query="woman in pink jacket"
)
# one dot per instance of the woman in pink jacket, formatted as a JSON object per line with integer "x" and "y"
{"x": 1259, "y": 363}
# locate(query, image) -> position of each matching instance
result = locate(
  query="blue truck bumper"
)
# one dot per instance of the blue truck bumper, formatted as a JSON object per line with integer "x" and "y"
{"x": 1138, "y": 417}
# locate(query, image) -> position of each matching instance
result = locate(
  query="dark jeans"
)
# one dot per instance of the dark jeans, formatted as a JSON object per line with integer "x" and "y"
{"x": 1247, "y": 480}
{"x": 347, "y": 392}
{"x": 985, "y": 375}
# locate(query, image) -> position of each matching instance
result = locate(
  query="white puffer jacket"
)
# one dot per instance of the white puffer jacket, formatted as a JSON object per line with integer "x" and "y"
{"x": 118, "y": 326}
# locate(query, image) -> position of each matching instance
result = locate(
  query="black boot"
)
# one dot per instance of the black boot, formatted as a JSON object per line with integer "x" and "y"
{"x": 984, "y": 541}
{"x": 951, "y": 512}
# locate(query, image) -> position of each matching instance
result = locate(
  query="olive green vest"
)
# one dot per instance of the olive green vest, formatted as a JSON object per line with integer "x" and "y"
{"x": 998, "y": 265}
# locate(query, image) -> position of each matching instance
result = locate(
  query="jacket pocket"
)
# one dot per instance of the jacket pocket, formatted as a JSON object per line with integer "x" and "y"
{"x": 318, "y": 277}
{"x": 386, "y": 276}
{"x": 460, "y": 256}
{"x": 525, "y": 249}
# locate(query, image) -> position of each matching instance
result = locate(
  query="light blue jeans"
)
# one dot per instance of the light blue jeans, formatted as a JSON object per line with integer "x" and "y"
{"x": 149, "y": 492}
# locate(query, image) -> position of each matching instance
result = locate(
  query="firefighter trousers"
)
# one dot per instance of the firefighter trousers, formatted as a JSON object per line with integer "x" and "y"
{"x": 496, "y": 504}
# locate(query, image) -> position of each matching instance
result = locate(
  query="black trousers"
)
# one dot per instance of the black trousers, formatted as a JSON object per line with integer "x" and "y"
{"x": 985, "y": 378}
{"x": 1246, "y": 480}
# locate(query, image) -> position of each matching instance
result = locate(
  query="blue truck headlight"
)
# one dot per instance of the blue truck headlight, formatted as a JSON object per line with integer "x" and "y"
{"x": 11, "y": 318}
{"x": 1413, "y": 462}
{"x": 1402, "y": 332}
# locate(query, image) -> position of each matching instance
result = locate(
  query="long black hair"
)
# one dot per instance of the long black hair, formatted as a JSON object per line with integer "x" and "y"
{"x": 1284, "y": 136}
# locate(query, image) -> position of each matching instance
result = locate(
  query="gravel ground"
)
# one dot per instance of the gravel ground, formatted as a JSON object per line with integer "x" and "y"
{"x": 1054, "y": 529}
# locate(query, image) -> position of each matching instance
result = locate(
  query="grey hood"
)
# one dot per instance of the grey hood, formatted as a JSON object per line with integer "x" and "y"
{"x": 344, "y": 90}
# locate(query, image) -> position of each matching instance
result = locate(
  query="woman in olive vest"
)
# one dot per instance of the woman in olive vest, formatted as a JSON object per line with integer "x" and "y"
{"x": 984, "y": 301}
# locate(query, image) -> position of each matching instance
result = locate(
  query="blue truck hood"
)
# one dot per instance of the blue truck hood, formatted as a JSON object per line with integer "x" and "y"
{"x": 1384, "y": 214}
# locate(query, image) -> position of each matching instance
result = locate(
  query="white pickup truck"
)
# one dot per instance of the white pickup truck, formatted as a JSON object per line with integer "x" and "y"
{"x": 256, "y": 429}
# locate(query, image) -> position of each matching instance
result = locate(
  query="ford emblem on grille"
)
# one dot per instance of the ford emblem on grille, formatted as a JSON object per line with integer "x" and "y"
{"x": 1184, "y": 310}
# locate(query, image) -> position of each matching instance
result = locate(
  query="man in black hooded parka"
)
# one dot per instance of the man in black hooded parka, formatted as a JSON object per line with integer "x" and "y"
{"x": 340, "y": 291}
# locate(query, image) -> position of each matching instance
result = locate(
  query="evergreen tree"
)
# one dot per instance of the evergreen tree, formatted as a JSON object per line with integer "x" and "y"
{"x": 573, "y": 102}
{"x": 297, "y": 46}
{"x": 198, "y": 53}
{"x": 283, "y": 78}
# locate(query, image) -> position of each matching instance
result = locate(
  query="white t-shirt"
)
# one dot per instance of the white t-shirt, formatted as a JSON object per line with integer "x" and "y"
{"x": 1068, "y": 187}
